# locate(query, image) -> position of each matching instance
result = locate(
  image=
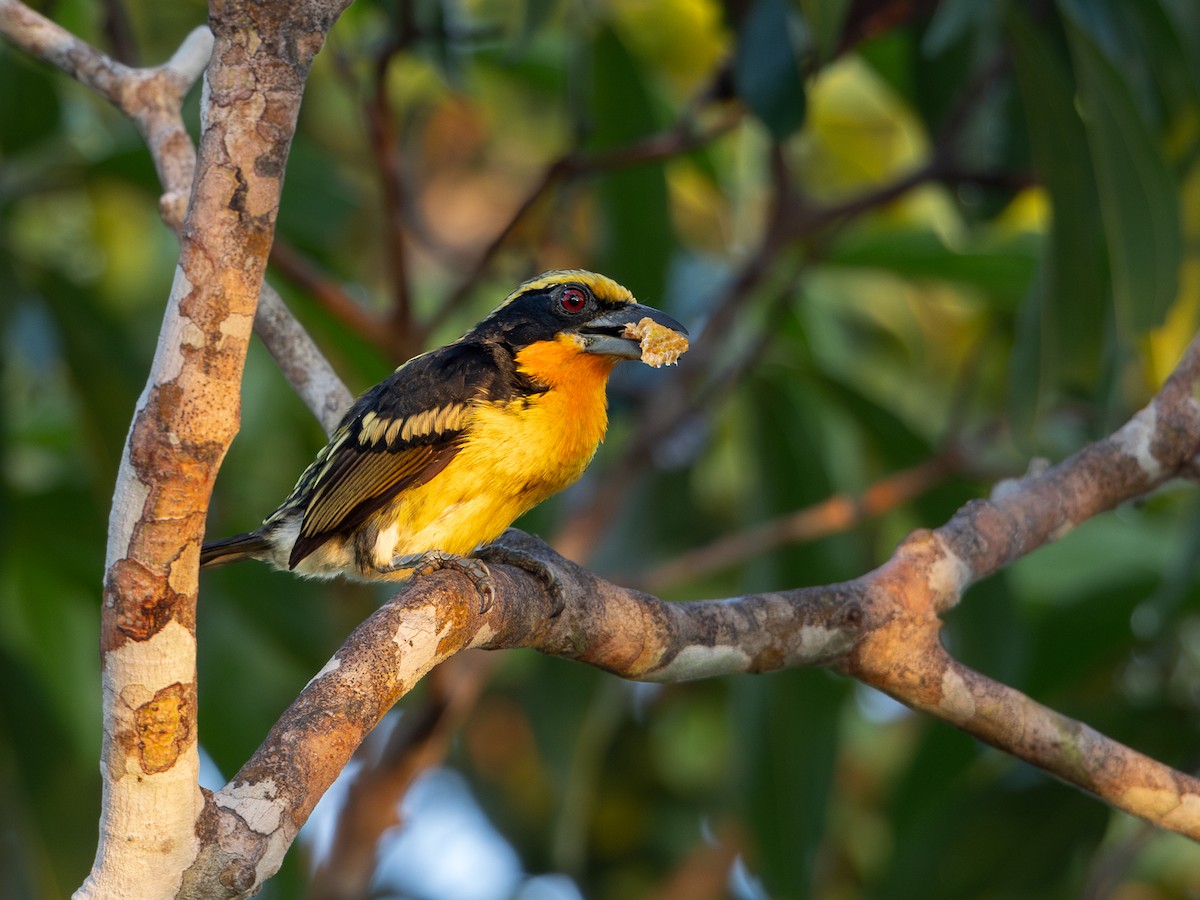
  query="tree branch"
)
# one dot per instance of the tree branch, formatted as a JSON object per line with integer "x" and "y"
{"x": 882, "y": 628}
{"x": 432, "y": 618}
{"x": 929, "y": 573}
{"x": 292, "y": 264}
{"x": 153, "y": 99}
{"x": 301, "y": 362}
{"x": 419, "y": 741}
{"x": 832, "y": 515}
{"x": 188, "y": 413}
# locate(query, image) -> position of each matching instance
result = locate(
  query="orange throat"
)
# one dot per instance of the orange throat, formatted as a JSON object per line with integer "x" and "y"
{"x": 566, "y": 422}
{"x": 562, "y": 364}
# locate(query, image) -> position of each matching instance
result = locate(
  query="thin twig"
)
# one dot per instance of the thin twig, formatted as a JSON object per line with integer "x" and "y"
{"x": 151, "y": 97}
{"x": 833, "y": 515}
{"x": 120, "y": 32}
{"x": 300, "y": 361}
{"x": 678, "y": 140}
{"x": 406, "y": 336}
{"x": 460, "y": 295}
{"x": 868, "y": 20}
{"x": 305, "y": 274}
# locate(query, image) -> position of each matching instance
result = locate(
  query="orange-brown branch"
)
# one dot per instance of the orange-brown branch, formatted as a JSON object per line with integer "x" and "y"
{"x": 882, "y": 628}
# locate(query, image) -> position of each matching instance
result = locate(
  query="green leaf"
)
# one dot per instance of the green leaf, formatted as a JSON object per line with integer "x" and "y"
{"x": 951, "y": 23}
{"x": 535, "y": 16}
{"x": 1137, "y": 193}
{"x": 638, "y": 236}
{"x": 29, "y": 109}
{"x": 964, "y": 832}
{"x": 795, "y": 430}
{"x": 768, "y": 67}
{"x": 1175, "y": 68}
{"x": 1003, "y": 273}
{"x": 1071, "y": 297}
{"x": 789, "y": 724}
{"x": 826, "y": 19}
{"x": 1030, "y": 364}
{"x": 105, "y": 365}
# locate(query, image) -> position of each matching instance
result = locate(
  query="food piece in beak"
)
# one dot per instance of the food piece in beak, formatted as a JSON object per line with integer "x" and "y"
{"x": 608, "y": 334}
{"x": 660, "y": 345}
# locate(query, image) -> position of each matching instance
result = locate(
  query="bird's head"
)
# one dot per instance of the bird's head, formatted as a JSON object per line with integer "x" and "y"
{"x": 579, "y": 311}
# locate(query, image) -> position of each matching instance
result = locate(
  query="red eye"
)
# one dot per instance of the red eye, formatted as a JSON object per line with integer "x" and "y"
{"x": 572, "y": 299}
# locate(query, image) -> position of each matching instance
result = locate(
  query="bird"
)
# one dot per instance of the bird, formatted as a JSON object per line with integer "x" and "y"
{"x": 438, "y": 459}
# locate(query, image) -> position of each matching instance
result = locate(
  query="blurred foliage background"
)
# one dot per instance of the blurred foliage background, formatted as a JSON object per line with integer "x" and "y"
{"x": 918, "y": 244}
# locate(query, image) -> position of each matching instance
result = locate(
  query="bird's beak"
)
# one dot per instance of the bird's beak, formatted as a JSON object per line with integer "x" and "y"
{"x": 605, "y": 333}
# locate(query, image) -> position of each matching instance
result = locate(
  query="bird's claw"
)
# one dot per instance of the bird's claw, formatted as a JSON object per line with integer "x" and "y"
{"x": 475, "y": 569}
{"x": 522, "y": 559}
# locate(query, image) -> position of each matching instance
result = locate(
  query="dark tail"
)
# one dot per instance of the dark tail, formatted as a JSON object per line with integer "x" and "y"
{"x": 250, "y": 545}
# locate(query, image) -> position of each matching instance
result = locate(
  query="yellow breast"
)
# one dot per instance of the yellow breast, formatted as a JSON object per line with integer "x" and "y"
{"x": 515, "y": 455}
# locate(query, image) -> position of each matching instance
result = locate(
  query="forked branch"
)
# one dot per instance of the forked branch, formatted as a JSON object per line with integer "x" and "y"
{"x": 882, "y": 628}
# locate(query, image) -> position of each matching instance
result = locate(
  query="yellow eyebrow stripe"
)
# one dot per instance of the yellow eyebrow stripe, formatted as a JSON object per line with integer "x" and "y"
{"x": 603, "y": 287}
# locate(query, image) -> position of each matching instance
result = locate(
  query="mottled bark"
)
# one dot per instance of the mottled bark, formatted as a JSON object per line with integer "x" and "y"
{"x": 160, "y": 835}
{"x": 188, "y": 414}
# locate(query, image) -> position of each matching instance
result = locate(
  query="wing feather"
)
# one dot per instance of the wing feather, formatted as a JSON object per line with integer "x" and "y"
{"x": 361, "y": 477}
{"x": 398, "y": 435}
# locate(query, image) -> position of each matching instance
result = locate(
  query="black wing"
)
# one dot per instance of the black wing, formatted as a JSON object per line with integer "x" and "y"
{"x": 399, "y": 434}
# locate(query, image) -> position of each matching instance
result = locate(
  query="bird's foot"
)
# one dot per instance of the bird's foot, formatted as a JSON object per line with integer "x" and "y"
{"x": 435, "y": 560}
{"x": 522, "y": 559}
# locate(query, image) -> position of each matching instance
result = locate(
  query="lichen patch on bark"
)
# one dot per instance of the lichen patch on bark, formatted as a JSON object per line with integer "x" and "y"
{"x": 164, "y": 726}
{"x": 237, "y": 327}
{"x": 956, "y": 701}
{"x": 417, "y": 631}
{"x": 1159, "y": 801}
{"x": 697, "y": 661}
{"x": 1185, "y": 812}
{"x": 258, "y": 804}
{"x": 1136, "y": 437}
{"x": 332, "y": 666}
